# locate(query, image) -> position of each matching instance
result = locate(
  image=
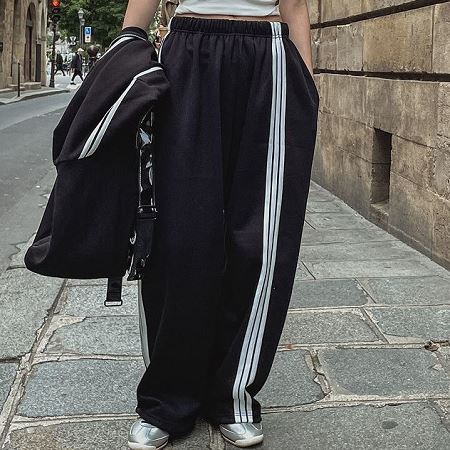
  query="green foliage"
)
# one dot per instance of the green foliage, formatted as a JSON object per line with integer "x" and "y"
{"x": 104, "y": 16}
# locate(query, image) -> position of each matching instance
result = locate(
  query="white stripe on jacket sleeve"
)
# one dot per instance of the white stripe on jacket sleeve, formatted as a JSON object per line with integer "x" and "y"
{"x": 96, "y": 136}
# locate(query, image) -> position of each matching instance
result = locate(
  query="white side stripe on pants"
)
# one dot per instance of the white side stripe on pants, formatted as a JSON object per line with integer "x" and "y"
{"x": 143, "y": 326}
{"x": 251, "y": 348}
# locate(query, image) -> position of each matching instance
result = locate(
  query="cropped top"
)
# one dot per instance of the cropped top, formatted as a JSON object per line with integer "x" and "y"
{"x": 229, "y": 7}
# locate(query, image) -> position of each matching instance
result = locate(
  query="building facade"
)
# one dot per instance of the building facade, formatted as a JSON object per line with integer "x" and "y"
{"x": 383, "y": 72}
{"x": 23, "y": 34}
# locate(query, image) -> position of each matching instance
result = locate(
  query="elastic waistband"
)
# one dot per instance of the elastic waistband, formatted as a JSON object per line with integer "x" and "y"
{"x": 229, "y": 26}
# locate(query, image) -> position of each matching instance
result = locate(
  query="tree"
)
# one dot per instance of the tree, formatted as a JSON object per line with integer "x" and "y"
{"x": 104, "y": 16}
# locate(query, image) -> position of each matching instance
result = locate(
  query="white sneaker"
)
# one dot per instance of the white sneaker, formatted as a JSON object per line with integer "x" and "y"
{"x": 242, "y": 434}
{"x": 145, "y": 436}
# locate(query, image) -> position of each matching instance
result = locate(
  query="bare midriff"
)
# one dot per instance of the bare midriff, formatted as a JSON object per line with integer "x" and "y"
{"x": 273, "y": 18}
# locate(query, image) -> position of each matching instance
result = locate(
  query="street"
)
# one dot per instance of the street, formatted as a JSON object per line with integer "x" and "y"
{"x": 26, "y": 168}
{"x": 363, "y": 362}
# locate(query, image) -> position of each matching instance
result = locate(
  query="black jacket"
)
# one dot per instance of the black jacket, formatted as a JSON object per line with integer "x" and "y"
{"x": 76, "y": 62}
{"x": 91, "y": 213}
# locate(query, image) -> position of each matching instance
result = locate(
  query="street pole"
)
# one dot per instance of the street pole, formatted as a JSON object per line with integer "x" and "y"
{"x": 18, "y": 78}
{"x": 52, "y": 70}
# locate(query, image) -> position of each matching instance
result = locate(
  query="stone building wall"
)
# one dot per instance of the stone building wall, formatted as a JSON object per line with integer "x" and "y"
{"x": 13, "y": 29}
{"x": 383, "y": 146}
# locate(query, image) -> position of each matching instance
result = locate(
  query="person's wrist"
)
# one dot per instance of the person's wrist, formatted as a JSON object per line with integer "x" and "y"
{"x": 137, "y": 30}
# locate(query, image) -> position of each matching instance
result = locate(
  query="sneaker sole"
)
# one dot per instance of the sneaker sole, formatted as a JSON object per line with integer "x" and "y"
{"x": 136, "y": 446}
{"x": 242, "y": 443}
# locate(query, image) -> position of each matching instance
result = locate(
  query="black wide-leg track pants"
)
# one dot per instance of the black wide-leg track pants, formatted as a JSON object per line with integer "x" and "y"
{"x": 235, "y": 142}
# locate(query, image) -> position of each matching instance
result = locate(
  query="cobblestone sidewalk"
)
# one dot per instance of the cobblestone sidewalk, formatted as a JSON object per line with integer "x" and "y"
{"x": 355, "y": 368}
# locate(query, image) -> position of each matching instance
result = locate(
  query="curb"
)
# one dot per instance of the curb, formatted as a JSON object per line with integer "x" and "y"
{"x": 4, "y": 101}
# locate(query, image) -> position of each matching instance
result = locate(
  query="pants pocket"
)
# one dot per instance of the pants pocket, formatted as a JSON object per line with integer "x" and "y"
{"x": 304, "y": 69}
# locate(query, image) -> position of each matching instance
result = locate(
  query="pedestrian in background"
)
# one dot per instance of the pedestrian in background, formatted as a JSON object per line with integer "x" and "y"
{"x": 77, "y": 65}
{"x": 59, "y": 63}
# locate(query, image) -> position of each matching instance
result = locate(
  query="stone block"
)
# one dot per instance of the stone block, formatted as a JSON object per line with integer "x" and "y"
{"x": 441, "y": 43}
{"x": 371, "y": 5}
{"x": 98, "y": 434}
{"x": 384, "y": 372}
{"x": 117, "y": 335}
{"x": 334, "y": 206}
{"x": 327, "y": 294}
{"x": 389, "y": 427}
{"x": 432, "y": 290}
{"x": 84, "y": 300}
{"x": 338, "y": 221}
{"x": 369, "y": 268}
{"x": 315, "y": 41}
{"x": 412, "y": 161}
{"x": 440, "y": 172}
{"x": 399, "y": 42}
{"x": 314, "y": 13}
{"x": 346, "y": 96}
{"x": 334, "y": 10}
{"x": 321, "y": 196}
{"x": 355, "y": 252}
{"x": 324, "y": 236}
{"x": 327, "y": 166}
{"x": 406, "y": 108}
{"x": 83, "y": 386}
{"x": 441, "y": 231}
{"x": 411, "y": 212}
{"x": 327, "y": 49}
{"x": 443, "y": 128}
{"x": 7, "y": 375}
{"x": 369, "y": 182}
{"x": 32, "y": 295}
{"x": 291, "y": 381}
{"x": 412, "y": 324}
{"x": 321, "y": 327}
{"x": 355, "y": 137}
{"x": 302, "y": 273}
{"x": 350, "y": 47}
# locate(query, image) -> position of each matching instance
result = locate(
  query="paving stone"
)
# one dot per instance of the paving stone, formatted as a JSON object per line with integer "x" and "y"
{"x": 338, "y": 221}
{"x": 384, "y": 372}
{"x": 327, "y": 207}
{"x": 314, "y": 237}
{"x": 291, "y": 381}
{"x": 98, "y": 434}
{"x": 320, "y": 327}
{"x": 24, "y": 301}
{"x": 320, "y": 196}
{"x": 327, "y": 293}
{"x": 445, "y": 405}
{"x": 369, "y": 268}
{"x": 401, "y": 427}
{"x": 416, "y": 324}
{"x": 83, "y": 301}
{"x": 314, "y": 187}
{"x": 355, "y": 252}
{"x": 87, "y": 282}
{"x": 417, "y": 291}
{"x": 7, "y": 375}
{"x": 113, "y": 335}
{"x": 198, "y": 439}
{"x": 302, "y": 273}
{"x": 16, "y": 260}
{"x": 84, "y": 386}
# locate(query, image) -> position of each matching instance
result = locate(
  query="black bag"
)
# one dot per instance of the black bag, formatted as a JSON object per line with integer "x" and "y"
{"x": 102, "y": 146}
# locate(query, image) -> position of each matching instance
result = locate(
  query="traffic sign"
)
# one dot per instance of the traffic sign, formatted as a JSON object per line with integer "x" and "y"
{"x": 87, "y": 34}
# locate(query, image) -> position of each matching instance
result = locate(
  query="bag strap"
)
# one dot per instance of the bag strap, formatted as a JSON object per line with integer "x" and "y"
{"x": 141, "y": 243}
{"x": 114, "y": 292}
{"x": 146, "y": 211}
